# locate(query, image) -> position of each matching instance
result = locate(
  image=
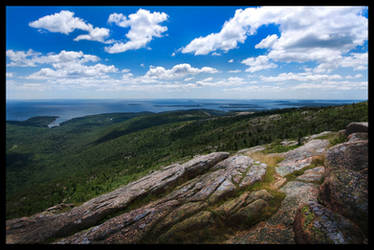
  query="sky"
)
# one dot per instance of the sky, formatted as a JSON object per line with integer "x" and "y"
{"x": 212, "y": 52}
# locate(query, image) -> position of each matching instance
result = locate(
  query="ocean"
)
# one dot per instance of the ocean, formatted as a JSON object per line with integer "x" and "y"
{"x": 20, "y": 110}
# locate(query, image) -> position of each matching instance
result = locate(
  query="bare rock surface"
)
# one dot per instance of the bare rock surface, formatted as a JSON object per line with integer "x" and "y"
{"x": 348, "y": 155}
{"x": 40, "y": 227}
{"x": 324, "y": 133}
{"x": 301, "y": 157}
{"x": 316, "y": 224}
{"x": 355, "y": 127}
{"x": 251, "y": 149}
{"x": 346, "y": 192}
{"x": 345, "y": 188}
{"x": 278, "y": 229}
{"x": 359, "y": 136}
{"x": 314, "y": 174}
{"x": 184, "y": 208}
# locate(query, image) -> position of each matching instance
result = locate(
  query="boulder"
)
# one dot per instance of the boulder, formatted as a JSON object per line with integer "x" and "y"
{"x": 359, "y": 136}
{"x": 346, "y": 192}
{"x": 348, "y": 155}
{"x": 278, "y": 228}
{"x": 245, "y": 209}
{"x": 316, "y": 224}
{"x": 193, "y": 229}
{"x": 355, "y": 127}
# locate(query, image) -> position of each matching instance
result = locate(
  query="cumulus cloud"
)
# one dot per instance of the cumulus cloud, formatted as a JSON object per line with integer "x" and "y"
{"x": 230, "y": 61}
{"x": 235, "y": 71}
{"x": 64, "y": 22}
{"x": 335, "y": 85}
{"x": 9, "y": 74}
{"x": 267, "y": 42}
{"x": 356, "y": 61}
{"x": 306, "y": 33}
{"x": 144, "y": 26}
{"x": 21, "y": 58}
{"x": 258, "y": 63}
{"x": 177, "y": 71}
{"x": 32, "y": 58}
{"x": 73, "y": 70}
{"x": 303, "y": 76}
{"x": 71, "y": 64}
{"x": 226, "y": 82}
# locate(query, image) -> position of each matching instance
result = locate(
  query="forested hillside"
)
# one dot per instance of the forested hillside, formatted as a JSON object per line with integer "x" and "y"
{"x": 85, "y": 157}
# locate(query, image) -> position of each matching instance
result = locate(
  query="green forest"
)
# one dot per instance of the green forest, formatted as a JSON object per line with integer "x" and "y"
{"x": 88, "y": 156}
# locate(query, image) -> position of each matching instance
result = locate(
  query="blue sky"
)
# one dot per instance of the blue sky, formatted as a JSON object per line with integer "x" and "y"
{"x": 228, "y": 52}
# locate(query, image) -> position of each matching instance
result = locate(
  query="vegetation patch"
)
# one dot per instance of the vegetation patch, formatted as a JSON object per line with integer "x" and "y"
{"x": 277, "y": 147}
{"x": 269, "y": 159}
{"x": 334, "y": 138}
{"x": 308, "y": 216}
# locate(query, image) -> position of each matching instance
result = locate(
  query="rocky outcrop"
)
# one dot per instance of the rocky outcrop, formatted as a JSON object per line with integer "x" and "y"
{"x": 41, "y": 227}
{"x": 301, "y": 157}
{"x": 345, "y": 189}
{"x": 351, "y": 155}
{"x": 278, "y": 228}
{"x": 311, "y": 175}
{"x": 342, "y": 215}
{"x": 316, "y": 224}
{"x": 355, "y": 127}
{"x": 346, "y": 192}
{"x": 184, "y": 209}
{"x": 357, "y": 137}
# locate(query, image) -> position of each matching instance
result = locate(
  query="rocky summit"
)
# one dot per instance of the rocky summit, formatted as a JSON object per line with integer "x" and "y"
{"x": 314, "y": 193}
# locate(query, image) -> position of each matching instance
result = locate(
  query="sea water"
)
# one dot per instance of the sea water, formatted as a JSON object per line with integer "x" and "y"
{"x": 20, "y": 110}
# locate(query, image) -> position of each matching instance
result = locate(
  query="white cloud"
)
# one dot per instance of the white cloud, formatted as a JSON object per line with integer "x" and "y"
{"x": 96, "y": 34}
{"x": 258, "y": 63}
{"x": 306, "y": 33}
{"x": 267, "y": 42}
{"x": 21, "y": 58}
{"x": 143, "y": 24}
{"x": 230, "y": 61}
{"x": 73, "y": 70}
{"x": 333, "y": 85}
{"x": 226, "y": 82}
{"x": 9, "y": 74}
{"x": 356, "y": 61}
{"x": 216, "y": 54}
{"x": 64, "y": 22}
{"x": 304, "y": 76}
{"x": 32, "y": 58}
{"x": 235, "y": 71}
{"x": 177, "y": 71}
{"x": 66, "y": 64}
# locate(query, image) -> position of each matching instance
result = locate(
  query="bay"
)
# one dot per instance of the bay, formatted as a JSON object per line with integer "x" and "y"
{"x": 20, "y": 110}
